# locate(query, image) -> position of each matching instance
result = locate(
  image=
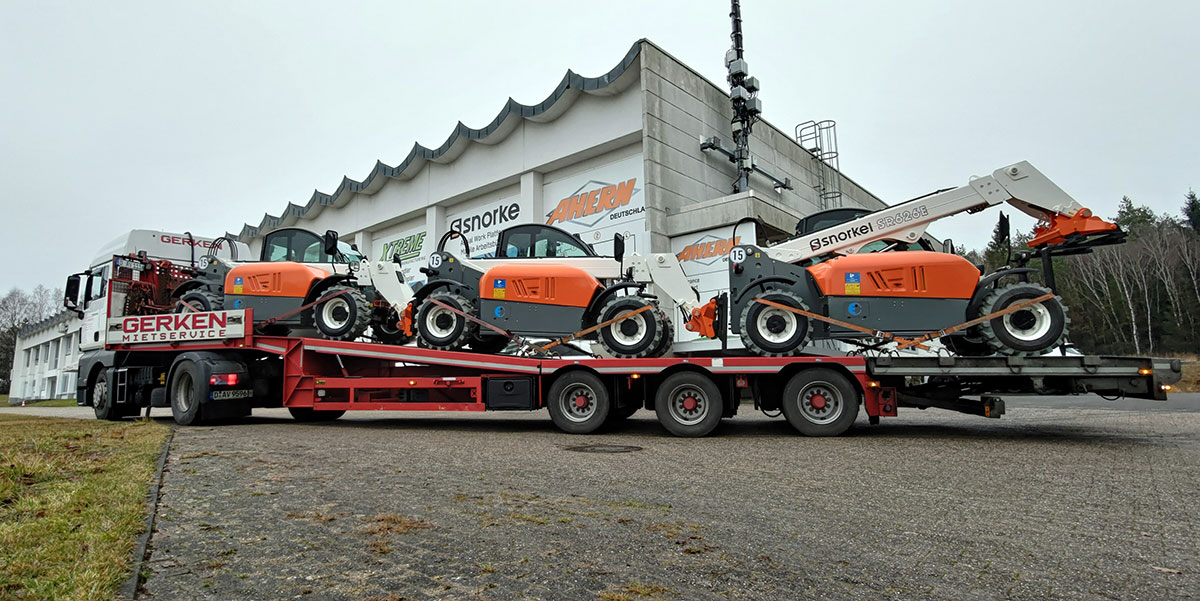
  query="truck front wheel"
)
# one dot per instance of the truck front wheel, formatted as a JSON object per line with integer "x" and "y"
{"x": 186, "y": 392}
{"x": 102, "y": 402}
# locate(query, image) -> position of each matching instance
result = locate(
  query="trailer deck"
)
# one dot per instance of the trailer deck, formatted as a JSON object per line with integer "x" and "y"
{"x": 320, "y": 379}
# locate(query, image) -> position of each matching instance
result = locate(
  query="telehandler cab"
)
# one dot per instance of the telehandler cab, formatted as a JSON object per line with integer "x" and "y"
{"x": 545, "y": 282}
{"x": 304, "y": 281}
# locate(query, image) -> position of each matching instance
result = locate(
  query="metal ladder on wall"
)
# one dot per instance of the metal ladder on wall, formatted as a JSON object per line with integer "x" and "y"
{"x": 819, "y": 138}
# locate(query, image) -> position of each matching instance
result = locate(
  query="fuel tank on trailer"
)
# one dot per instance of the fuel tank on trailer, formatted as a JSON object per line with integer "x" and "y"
{"x": 907, "y": 274}
{"x": 533, "y": 298}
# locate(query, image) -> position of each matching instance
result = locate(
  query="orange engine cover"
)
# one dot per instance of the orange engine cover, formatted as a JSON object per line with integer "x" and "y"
{"x": 285, "y": 279}
{"x": 530, "y": 282}
{"x": 908, "y": 274}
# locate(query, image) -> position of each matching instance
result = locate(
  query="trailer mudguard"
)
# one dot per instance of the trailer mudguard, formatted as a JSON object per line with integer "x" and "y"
{"x": 209, "y": 363}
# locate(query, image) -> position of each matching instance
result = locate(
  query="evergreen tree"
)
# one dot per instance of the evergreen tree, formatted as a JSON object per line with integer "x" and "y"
{"x": 1130, "y": 217}
{"x": 1191, "y": 210}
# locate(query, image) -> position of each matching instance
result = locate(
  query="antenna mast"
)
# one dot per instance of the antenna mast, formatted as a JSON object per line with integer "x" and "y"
{"x": 743, "y": 94}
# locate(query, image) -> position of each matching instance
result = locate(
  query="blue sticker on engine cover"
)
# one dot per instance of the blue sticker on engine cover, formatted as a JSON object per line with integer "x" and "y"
{"x": 853, "y": 278}
{"x": 498, "y": 284}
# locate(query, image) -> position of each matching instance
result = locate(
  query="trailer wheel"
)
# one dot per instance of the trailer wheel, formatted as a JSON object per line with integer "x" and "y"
{"x": 1029, "y": 331}
{"x": 689, "y": 404}
{"x": 442, "y": 329}
{"x": 773, "y": 332}
{"x": 820, "y": 402}
{"x": 635, "y": 337}
{"x": 199, "y": 300}
{"x": 345, "y": 316}
{"x": 308, "y": 414}
{"x": 102, "y": 402}
{"x": 187, "y": 390}
{"x": 578, "y": 402}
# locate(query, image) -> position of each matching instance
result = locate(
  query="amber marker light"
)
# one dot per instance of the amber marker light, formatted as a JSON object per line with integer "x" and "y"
{"x": 872, "y": 384}
{"x": 1145, "y": 371}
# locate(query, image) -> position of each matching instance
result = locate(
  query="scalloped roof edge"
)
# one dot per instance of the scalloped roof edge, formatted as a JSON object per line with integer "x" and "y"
{"x": 500, "y": 126}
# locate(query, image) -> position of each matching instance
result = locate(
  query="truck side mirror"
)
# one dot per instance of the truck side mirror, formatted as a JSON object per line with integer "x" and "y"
{"x": 331, "y": 241}
{"x": 619, "y": 246}
{"x": 71, "y": 294}
{"x": 948, "y": 246}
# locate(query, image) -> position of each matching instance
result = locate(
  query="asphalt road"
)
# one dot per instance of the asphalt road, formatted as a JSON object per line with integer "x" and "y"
{"x": 1061, "y": 499}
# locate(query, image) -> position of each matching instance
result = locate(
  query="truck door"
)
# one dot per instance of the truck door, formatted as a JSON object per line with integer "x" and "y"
{"x": 95, "y": 311}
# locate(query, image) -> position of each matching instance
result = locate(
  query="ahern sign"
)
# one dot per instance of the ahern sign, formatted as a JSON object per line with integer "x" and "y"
{"x": 176, "y": 327}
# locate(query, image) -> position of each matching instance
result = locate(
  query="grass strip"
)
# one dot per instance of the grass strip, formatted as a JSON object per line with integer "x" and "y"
{"x": 72, "y": 502}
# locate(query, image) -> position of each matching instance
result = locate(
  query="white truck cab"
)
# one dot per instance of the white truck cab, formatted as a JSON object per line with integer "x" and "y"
{"x": 88, "y": 292}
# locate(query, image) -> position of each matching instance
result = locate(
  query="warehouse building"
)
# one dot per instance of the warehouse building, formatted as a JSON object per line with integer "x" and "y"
{"x": 616, "y": 153}
{"x": 46, "y": 359}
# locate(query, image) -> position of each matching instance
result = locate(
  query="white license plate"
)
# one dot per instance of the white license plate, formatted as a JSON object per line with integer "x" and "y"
{"x": 130, "y": 264}
{"x": 222, "y": 395}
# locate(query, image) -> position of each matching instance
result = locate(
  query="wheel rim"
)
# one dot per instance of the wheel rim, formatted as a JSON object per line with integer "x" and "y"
{"x": 335, "y": 313}
{"x": 578, "y": 402}
{"x": 630, "y": 332}
{"x": 776, "y": 326}
{"x": 821, "y": 403}
{"x": 184, "y": 389}
{"x": 440, "y": 322}
{"x": 688, "y": 405}
{"x": 100, "y": 394}
{"x": 1028, "y": 324}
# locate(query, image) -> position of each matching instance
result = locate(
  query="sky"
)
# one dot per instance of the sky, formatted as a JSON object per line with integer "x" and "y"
{"x": 202, "y": 116}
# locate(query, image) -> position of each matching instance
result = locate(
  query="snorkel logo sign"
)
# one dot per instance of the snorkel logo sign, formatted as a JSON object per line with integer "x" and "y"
{"x": 595, "y": 201}
{"x": 708, "y": 250}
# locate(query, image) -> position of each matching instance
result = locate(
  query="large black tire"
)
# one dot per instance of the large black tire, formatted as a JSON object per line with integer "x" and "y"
{"x": 342, "y": 317}
{"x": 636, "y": 337}
{"x": 199, "y": 300}
{"x": 773, "y": 332}
{"x": 820, "y": 402}
{"x": 443, "y": 330}
{"x": 308, "y": 414}
{"x": 579, "y": 403}
{"x": 102, "y": 402}
{"x": 489, "y": 345}
{"x": 386, "y": 329}
{"x": 689, "y": 404}
{"x": 1030, "y": 331}
{"x": 966, "y": 345}
{"x": 186, "y": 392}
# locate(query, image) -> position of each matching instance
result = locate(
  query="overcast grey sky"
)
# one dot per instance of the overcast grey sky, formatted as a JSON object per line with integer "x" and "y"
{"x": 202, "y": 116}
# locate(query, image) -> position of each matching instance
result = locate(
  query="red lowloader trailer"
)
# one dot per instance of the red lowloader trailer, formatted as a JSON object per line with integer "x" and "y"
{"x": 211, "y": 365}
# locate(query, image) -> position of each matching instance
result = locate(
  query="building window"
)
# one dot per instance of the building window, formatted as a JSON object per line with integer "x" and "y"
{"x": 26, "y": 358}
